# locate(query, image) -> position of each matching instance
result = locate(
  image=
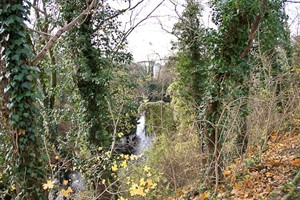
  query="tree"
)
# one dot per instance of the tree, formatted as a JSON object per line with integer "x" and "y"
{"x": 192, "y": 54}
{"x": 18, "y": 82}
{"x": 215, "y": 65}
{"x": 93, "y": 65}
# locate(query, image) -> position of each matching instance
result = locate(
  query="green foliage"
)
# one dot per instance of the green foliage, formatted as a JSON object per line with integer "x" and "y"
{"x": 23, "y": 157}
{"x": 191, "y": 69}
{"x": 94, "y": 62}
{"x": 213, "y": 70}
{"x": 159, "y": 117}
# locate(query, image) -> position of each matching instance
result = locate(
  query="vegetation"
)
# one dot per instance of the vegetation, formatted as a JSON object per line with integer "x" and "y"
{"x": 223, "y": 111}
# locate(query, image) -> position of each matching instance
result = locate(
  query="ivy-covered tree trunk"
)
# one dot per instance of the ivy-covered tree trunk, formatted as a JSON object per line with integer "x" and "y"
{"x": 91, "y": 74}
{"x": 194, "y": 77}
{"x": 18, "y": 81}
{"x": 93, "y": 92}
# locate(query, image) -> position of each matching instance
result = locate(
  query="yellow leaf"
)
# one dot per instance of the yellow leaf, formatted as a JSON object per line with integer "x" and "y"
{"x": 122, "y": 198}
{"x": 100, "y": 148}
{"x": 123, "y": 164}
{"x": 204, "y": 195}
{"x": 146, "y": 168}
{"x": 150, "y": 184}
{"x": 13, "y": 187}
{"x": 126, "y": 157}
{"x": 137, "y": 190}
{"x": 103, "y": 181}
{"x": 133, "y": 157}
{"x": 66, "y": 193}
{"x": 65, "y": 182}
{"x": 142, "y": 182}
{"x": 114, "y": 168}
{"x": 296, "y": 162}
{"x": 180, "y": 192}
{"x": 48, "y": 185}
{"x": 226, "y": 172}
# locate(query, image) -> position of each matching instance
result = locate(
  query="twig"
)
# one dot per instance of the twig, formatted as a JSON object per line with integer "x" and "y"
{"x": 52, "y": 41}
{"x": 129, "y": 31}
{"x": 39, "y": 32}
{"x": 294, "y": 186}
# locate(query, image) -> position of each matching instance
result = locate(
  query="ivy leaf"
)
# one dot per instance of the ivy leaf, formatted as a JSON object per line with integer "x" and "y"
{"x": 19, "y": 42}
{"x": 15, "y": 57}
{"x": 34, "y": 68}
{"x": 6, "y": 89}
{"x": 6, "y": 38}
{"x": 19, "y": 77}
{"x": 7, "y": 75}
{"x": 10, "y": 105}
{"x": 9, "y": 21}
{"x": 16, "y": 117}
{"x": 27, "y": 85}
{"x": 38, "y": 95}
{"x": 12, "y": 123}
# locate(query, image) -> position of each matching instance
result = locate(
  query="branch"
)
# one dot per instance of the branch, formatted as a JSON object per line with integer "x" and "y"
{"x": 52, "y": 41}
{"x": 291, "y": 1}
{"x": 38, "y": 10}
{"x": 39, "y": 32}
{"x": 254, "y": 29}
{"x": 129, "y": 31}
{"x": 166, "y": 30}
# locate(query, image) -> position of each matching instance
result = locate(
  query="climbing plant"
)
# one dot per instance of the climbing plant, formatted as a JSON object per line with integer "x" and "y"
{"x": 215, "y": 64}
{"x": 192, "y": 55}
{"x": 24, "y": 160}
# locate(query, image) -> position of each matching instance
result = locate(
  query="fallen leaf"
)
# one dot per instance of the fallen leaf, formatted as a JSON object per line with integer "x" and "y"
{"x": 204, "y": 195}
{"x": 296, "y": 162}
{"x": 226, "y": 172}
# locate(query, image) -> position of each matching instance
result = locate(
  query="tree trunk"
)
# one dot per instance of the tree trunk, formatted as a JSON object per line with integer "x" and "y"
{"x": 213, "y": 141}
{"x": 18, "y": 104}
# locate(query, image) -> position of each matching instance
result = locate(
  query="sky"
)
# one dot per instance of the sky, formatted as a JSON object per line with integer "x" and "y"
{"x": 149, "y": 41}
{"x": 152, "y": 40}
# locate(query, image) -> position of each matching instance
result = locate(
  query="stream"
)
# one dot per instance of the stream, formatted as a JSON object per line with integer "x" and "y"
{"x": 144, "y": 141}
{"x": 136, "y": 144}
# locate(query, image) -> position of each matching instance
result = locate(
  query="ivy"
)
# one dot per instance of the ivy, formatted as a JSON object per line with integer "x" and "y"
{"x": 210, "y": 66}
{"x": 19, "y": 84}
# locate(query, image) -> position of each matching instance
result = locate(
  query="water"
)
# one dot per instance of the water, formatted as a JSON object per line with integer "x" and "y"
{"x": 75, "y": 181}
{"x": 144, "y": 141}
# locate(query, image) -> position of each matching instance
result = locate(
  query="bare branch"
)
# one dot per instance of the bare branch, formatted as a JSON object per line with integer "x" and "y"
{"x": 129, "y": 31}
{"x": 52, "y": 41}
{"x": 39, "y": 32}
{"x": 81, "y": 16}
{"x": 38, "y": 10}
{"x": 292, "y": 2}
{"x": 165, "y": 29}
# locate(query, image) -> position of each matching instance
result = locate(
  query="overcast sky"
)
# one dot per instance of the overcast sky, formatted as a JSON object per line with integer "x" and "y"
{"x": 149, "y": 42}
